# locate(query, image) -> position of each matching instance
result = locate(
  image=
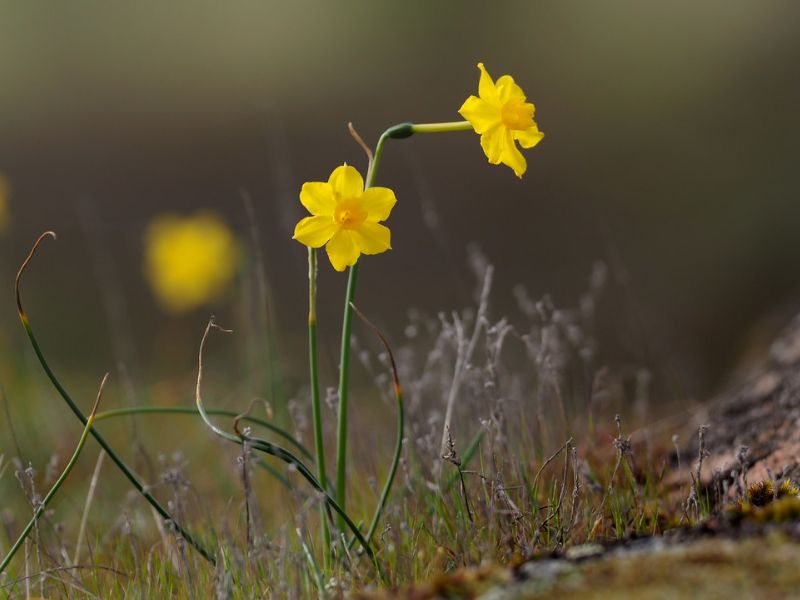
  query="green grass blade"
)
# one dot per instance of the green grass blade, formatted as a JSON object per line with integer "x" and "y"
{"x": 319, "y": 580}
{"x": 398, "y": 448}
{"x": 316, "y": 408}
{"x": 83, "y": 419}
{"x": 71, "y": 463}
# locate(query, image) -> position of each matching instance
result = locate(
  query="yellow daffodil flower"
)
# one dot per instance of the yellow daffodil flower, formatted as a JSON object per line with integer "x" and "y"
{"x": 4, "y": 193}
{"x": 189, "y": 261}
{"x": 345, "y": 217}
{"x": 502, "y": 117}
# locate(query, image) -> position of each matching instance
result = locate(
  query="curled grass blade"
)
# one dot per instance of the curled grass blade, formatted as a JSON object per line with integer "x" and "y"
{"x": 185, "y": 410}
{"x": 221, "y": 412}
{"x": 276, "y": 451}
{"x": 83, "y": 419}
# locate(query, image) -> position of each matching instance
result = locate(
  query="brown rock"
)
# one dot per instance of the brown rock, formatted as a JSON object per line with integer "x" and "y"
{"x": 763, "y": 414}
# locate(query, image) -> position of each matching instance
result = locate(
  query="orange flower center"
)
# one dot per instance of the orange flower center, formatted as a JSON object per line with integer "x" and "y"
{"x": 349, "y": 214}
{"x": 517, "y": 115}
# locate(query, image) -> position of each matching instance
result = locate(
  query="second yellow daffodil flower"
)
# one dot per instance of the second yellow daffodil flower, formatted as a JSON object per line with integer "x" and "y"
{"x": 190, "y": 261}
{"x": 502, "y": 116}
{"x": 345, "y": 217}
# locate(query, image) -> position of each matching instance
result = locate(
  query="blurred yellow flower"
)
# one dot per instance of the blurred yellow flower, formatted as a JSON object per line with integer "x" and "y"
{"x": 345, "y": 217}
{"x": 502, "y": 117}
{"x": 5, "y": 190}
{"x": 189, "y": 261}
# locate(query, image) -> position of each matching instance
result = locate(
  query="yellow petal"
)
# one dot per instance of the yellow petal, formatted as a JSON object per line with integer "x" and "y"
{"x": 482, "y": 115}
{"x": 529, "y": 138}
{"x": 511, "y": 155}
{"x": 346, "y": 182}
{"x": 317, "y": 197}
{"x": 342, "y": 251}
{"x": 314, "y": 231}
{"x": 492, "y": 144}
{"x": 372, "y": 238}
{"x": 378, "y": 202}
{"x": 486, "y": 88}
{"x": 507, "y": 90}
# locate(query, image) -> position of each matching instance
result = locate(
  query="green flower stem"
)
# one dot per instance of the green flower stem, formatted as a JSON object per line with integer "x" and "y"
{"x": 344, "y": 375}
{"x": 83, "y": 419}
{"x": 316, "y": 410}
{"x": 441, "y": 127}
{"x": 43, "y": 505}
{"x": 396, "y": 132}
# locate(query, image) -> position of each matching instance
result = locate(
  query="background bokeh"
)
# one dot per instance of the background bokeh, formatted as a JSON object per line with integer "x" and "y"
{"x": 670, "y": 154}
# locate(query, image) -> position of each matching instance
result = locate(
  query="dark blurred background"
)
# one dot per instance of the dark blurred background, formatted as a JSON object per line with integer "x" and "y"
{"x": 670, "y": 154}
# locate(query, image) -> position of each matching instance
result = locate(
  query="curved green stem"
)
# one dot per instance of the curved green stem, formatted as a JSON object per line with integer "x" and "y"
{"x": 113, "y": 455}
{"x": 398, "y": 448}
{"x": 278, "y": 452}
{"x": 288, "y": 457}
{"x": 316, "y": 409}
{"x": 405, "y": 130}
{"x": 43, "y": 505}
{"x": 83, "y": 419}
{"x": 186, "y": 410}
{"x": 400, "y": 131}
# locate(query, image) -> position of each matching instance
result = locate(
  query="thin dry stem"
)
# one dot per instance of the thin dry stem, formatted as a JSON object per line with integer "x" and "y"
{"x": 563, "y": 447}
{"x": 87, "y": 507}
{"x": 237, "y": 419}
{"x": 360, "y": 141}
{"x": 24, "y": 266}
{"x": 212, "y": 323}
{"x": 465, "y": 357}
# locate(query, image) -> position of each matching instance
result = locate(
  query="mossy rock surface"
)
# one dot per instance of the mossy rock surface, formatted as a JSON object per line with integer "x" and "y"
{"x": 750, "y": 560}
{"x": 707, "y": 568}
